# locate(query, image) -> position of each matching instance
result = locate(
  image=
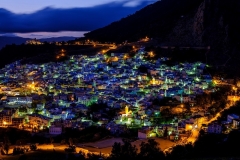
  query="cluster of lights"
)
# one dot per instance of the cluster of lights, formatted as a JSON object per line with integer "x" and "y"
{"x": 104, "y": 51}
{"x": 61, "y": 54}
{"x": 151, "y": 54}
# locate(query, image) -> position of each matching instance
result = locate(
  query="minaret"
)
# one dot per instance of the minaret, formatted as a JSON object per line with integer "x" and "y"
{"x": 165, "y": 93}
{"x": 166, "y": 79}
{"x": 139, "y": 78}
{"x": 153, "y": 81}
{"x": 79, "y": 80}
{"x": 94, "y": 84}
{"x": 126, "y": 110}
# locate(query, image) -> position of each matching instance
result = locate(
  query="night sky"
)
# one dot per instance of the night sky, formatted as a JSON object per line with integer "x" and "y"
{"x": 63, "y": 15}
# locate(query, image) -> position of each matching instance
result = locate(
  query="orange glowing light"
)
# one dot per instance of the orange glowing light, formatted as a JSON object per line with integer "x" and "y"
{"x": 125, "y": 56}
{"x": 151, "y": 54}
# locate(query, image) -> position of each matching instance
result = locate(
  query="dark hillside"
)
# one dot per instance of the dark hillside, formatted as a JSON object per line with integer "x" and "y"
{"x": 185, "y": 23}
{"x": 155, "y": 20}
{"x": 4, "y": 40}
{"x": 43, "y": 53}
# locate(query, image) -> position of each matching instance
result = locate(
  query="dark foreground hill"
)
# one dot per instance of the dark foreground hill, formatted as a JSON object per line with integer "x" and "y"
{"x": 4, "y": 40}
{"x": 38, "y": 54}
{"x": 185, "y": 23}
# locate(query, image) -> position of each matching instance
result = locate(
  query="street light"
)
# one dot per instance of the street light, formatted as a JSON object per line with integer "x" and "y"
{"x": 235, "y": 89}
{"x": 4, "y": 123}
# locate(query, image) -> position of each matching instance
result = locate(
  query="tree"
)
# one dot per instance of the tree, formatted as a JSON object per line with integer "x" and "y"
{"x": 94, "y": 156}
{"x": 70, "y": 141}
{"x": 178, "y": 152}
{"x": 165, "y": 134}
{"x": 33, "y": 147}
{"x": 18, "y": 150}
{"x": 201, "y": 132}
{"x": 150, "y": 150}
{"x": 63, "y": 141}
{"x": 51, "y": 140}
{"x": 70, "y": 149}
{"x": 81, "y": 155}
{"x": 123, "y": 151}
{"x": 116, "y": 151}
{"x": 6, "y": 144}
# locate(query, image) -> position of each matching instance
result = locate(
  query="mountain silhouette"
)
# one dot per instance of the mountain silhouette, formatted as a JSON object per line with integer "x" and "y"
{"x": 72, "y": 19}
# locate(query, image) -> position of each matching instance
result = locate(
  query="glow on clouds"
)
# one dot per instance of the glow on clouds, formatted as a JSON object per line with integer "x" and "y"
{"x": 28, "y": 6}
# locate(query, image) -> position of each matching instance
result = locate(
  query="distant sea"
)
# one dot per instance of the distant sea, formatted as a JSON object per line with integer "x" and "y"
{"x": 44, "y": 35}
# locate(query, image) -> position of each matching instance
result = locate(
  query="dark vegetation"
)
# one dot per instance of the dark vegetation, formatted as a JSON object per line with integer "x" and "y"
{"x": 104, "y": 109}
{"x": 73, "y": 136}
{"x": 14, "y": 136}
{"x": 208, "y": 146}
{"x": 177, "y": 55}
{"x": 233, "y": 110}
{"x": 218, "y": 99}
{"x": 21, "y": 137}
{"x": 41, "y": 155}
{"x": 38, "y": 54}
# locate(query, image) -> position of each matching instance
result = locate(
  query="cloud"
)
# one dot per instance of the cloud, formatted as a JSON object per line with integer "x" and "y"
{"x": 8, "y": 34}
{"x": 40, "y": 35}
{"x": 74, "y": 19}
{"x": 27, "y": 6}
{"x": 132, "y": 3}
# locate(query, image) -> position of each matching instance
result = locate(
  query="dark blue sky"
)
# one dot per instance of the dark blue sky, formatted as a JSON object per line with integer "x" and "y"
{"x": 64, "y": 15}
{"x": 24, "y": 6}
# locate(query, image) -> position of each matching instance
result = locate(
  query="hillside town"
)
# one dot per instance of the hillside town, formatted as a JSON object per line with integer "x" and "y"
{"x": 56, "y": 95}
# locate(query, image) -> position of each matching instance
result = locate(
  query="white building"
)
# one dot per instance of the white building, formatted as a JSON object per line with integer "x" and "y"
{"x": 236, "y": 123}
{"x": 55, "y": 130}
{"x": 231, "y": 117}
{"x": 143, "y": 134}
{"x": 214, "y": 128}
{"x": 19, "y": 100}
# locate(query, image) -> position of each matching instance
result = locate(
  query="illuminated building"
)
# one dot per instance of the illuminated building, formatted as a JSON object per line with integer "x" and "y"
{"x": 55, "y": 130}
